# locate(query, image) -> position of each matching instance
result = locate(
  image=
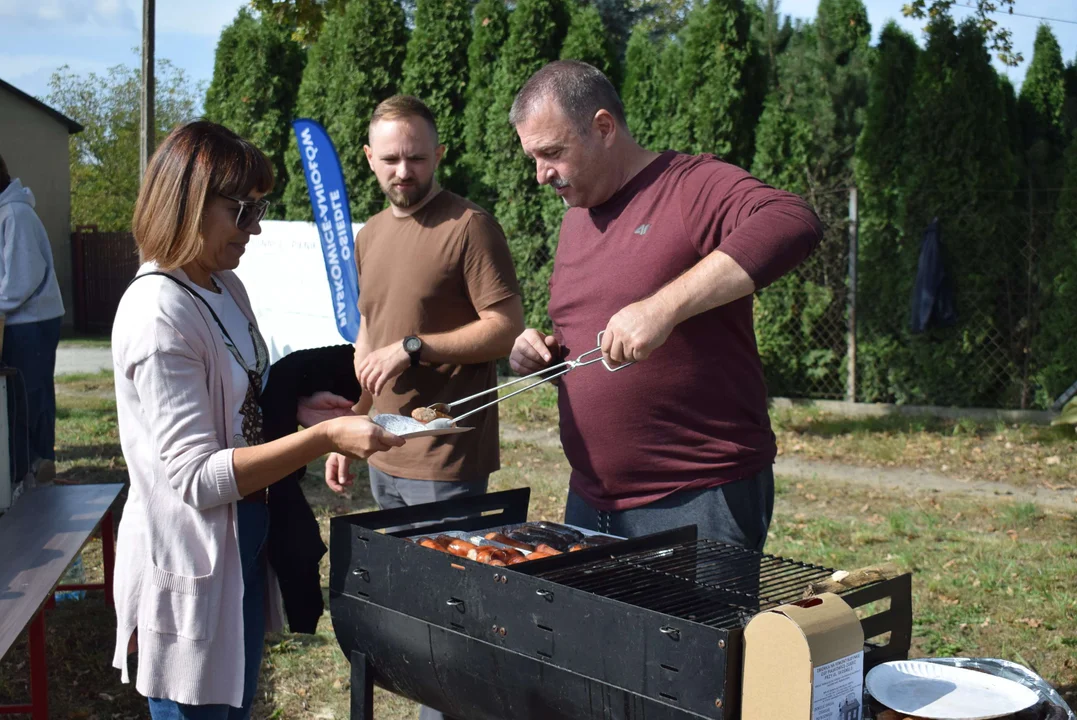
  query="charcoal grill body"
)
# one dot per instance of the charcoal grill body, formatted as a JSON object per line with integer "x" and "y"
{"x": 577, "y": 636}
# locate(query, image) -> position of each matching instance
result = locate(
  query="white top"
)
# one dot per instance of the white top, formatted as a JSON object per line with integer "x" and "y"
{"x": 238, "y": 327}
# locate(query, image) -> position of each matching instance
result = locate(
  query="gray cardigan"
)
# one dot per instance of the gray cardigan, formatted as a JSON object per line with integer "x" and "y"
{"x": 178, "y": 577}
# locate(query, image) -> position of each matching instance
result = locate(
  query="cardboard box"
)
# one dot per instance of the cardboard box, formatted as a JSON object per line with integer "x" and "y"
{"x": 804, "y": 661}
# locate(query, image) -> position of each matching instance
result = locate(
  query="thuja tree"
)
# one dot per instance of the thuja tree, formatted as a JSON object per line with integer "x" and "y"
{"x": 722, "y": 80}
{"x": 588, "y": 40}
{"x": 804, "y": 143}
{"x": 878, "y": 165}
{"x": 957, "y": 167}
{"x": 256, "y": 75}
{"x": 489, "y": 29}
{"x": 436, "y": 71}
{"x": 1054, "y": 350}
{"x": 536, "y": 32}
{"x": 356, "y": 63}
{"x": 642, "y": 87}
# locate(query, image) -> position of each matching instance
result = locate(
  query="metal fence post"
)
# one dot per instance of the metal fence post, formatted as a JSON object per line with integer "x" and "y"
{"x": 850, "y": 378}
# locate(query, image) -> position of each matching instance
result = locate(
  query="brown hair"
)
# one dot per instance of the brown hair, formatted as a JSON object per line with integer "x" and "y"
{"x": 579, "y": 89}
{"x": 5, "y": 179}
{"x": 403, "y": 106}
{"x": 195, "y": 162}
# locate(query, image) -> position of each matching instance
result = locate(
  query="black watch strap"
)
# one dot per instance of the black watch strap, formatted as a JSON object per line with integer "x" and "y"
{"x": 413, "y": 354}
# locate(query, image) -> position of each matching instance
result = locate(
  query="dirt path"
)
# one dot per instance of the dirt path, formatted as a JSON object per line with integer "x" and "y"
{"x": 908, "y": 480}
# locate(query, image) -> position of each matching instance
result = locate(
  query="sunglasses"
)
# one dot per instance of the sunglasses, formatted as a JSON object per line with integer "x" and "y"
{"x": 250, "y": 211}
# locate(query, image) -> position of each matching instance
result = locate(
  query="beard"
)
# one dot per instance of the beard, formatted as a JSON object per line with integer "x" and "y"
{"x": 406, "y": 197}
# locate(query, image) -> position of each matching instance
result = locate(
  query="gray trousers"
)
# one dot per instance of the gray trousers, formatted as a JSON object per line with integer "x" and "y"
{"x": 737, "y": 513}
{"x": 393, "y": 492}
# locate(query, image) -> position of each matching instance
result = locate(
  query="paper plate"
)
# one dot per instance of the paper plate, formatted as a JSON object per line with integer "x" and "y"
{"x": 943, "y": 692}
{"x": 407, "y": 427}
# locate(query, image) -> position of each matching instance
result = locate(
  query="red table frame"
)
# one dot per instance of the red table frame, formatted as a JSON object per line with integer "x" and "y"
{"x": 38, "y": 707}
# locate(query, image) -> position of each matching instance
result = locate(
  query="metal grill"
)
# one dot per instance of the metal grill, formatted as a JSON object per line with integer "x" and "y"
{"x": 487, "y": 643}
{"x": 704, "y": 581}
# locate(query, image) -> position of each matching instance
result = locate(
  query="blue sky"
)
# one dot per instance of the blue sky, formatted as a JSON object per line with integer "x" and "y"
{"x": 92, "y": 35}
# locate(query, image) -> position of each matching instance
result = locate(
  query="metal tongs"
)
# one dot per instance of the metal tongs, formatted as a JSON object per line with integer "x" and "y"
{"x": 588, "y": 358}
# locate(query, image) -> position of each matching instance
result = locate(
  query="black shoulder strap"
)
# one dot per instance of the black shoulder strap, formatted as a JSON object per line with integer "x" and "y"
{"x": 193, "y": 294}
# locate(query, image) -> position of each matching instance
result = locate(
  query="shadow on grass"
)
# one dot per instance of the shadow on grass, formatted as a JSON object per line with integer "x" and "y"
{"x": 105, "y": 451}
{"x": 79, "y": 639}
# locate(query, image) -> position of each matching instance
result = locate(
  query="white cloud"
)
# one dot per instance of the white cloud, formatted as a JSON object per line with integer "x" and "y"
{"x": 81, "y": 17}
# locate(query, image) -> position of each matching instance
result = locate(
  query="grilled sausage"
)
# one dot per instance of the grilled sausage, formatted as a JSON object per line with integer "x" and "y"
{"x": 423, "y": 414}
{"x": 433, "y": 545}
{"x": 511, "y": 553}
{"x": 516, "y": 560}
{"x": 547, "y": 550}
{"x": 538, "y": 556}
{"x": 564, "y": 530}
{"x": 506, "y": 540}
{"x": 461, "y": 548}
{"x": 535, "y": 537}
{"x": 596, "y": 540}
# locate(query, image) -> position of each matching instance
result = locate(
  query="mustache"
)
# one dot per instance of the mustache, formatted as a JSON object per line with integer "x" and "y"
{"x": 559, "y": 183}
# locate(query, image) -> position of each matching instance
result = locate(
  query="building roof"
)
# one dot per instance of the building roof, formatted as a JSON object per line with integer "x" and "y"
{"x": 72, "y": 126}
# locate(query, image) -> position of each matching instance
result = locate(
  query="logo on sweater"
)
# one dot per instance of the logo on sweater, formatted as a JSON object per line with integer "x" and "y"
{"x": 642, "y": 229}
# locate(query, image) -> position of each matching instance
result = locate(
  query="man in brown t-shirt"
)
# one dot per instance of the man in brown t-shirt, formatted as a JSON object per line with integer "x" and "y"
{"x": 439, "y": 303}
{"x": 662, "y": 251}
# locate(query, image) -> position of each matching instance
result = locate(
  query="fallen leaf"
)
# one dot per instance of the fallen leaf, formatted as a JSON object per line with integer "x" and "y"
{"x": 1031, "y": 622}
{"x": 949, "y": 564}
{"x": 1012, "y": 534}
{"x": 1053, "y": 460}
{"x": 986, "y": 622}
{"x": 865, "y": 508}
{"x": 809, "y": 496}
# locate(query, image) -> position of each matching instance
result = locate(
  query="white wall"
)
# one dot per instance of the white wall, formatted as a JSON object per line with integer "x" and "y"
{"x": 284, "y": 273}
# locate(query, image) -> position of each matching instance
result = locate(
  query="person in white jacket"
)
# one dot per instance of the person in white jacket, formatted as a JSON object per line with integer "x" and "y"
{"x": 31, "y": 309}
{"x": 193, "y": 590}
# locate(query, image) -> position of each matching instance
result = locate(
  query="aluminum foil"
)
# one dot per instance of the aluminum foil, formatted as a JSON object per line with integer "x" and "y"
{"x": 1017, "y": 673}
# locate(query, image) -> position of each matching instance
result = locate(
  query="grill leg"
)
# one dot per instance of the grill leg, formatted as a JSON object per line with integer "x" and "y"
{"x": 362, "y": 700}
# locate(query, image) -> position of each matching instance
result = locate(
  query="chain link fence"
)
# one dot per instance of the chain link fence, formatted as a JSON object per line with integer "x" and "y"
{"x": 1009, "y": 263}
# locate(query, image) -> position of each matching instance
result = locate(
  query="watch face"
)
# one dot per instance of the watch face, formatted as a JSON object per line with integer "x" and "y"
{"x": 412, "y": 344}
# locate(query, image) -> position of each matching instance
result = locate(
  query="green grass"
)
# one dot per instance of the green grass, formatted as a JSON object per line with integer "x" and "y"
{"x": 990, "y": 578}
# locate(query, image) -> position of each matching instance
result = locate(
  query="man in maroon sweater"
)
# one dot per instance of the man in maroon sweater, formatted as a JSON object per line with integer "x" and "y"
{"x": 662, "y": 251}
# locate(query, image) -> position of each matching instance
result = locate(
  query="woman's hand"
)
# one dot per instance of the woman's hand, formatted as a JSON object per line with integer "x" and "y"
{"x": 338, "y": 472}
{"x": 322, "y": 406}
{"x": 357, "y": 437}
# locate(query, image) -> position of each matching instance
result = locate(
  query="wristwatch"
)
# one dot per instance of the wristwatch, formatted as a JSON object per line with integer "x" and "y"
{"x": 413, "y": 346}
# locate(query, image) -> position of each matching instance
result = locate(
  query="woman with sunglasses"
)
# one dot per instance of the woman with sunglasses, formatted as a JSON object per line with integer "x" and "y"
{"x": 193, "y": 591}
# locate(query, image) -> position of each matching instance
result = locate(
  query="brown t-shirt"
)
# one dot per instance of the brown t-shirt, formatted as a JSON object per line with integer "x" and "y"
{"x": 693, "y": 414}
{"x": 433, "y": 272}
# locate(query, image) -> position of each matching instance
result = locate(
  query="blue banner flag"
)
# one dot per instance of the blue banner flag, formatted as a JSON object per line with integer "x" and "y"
{"x": 333, "y": 218}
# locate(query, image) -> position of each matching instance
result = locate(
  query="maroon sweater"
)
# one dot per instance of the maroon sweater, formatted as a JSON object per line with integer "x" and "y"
{"x": 694, "y": 414}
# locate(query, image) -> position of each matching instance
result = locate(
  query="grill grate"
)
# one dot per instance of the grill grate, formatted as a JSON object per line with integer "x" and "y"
{"x": 704, "y": 581}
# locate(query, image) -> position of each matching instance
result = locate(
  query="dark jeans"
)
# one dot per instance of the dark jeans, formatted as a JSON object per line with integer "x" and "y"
{"x": 30, "y": 348}
{"x": 253, "y": 519}
{"x": 737, "y": 513}
{"x": 394, "y": 492}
